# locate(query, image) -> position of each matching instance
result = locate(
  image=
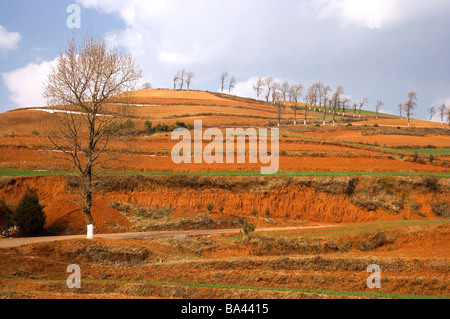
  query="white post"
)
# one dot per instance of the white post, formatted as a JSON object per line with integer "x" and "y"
{"x": 90, "y": 231}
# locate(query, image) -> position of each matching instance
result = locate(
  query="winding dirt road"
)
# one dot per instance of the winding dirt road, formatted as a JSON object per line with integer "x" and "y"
{"x": 16, "y": 242}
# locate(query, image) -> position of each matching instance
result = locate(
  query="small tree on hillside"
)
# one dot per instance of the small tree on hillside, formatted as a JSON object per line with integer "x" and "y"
{"x": 380, "y": 103}
{"x": 232, "y": 84}
{"x": 295, "y": 94}
{"x": 29, "y": 215}
{"x": 362, "y": 104}
{"x": 223, "y": 77}
{"x": 189, "y": 76}
{"x": 431, "y": 111}
{"x": 257, "y": 87}
{"x": 442, "y": 109}
{"x": 410, "y": 105}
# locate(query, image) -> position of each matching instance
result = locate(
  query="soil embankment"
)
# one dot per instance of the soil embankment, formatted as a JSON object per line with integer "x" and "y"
{"x": 297, "y": 199}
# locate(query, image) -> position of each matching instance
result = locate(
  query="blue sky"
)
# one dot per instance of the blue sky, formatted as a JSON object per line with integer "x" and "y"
{"x": 380, "y": 49}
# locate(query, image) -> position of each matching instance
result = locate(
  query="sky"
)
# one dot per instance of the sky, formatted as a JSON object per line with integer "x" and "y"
{"x": 379, "y": 49}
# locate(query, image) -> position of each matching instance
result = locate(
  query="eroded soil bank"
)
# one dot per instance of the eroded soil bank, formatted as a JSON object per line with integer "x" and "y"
{"x": 233, "y": 199}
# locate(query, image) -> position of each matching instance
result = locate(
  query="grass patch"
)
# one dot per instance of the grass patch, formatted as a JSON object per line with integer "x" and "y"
{"x": 24, "y": 172}
{"x": 261, "y": 288}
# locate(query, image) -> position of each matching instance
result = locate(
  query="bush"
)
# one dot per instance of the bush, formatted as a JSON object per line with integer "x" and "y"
{"x": 248, "y": 228}
{"x": 254, "y": 212}
{"x": 210, "y": 207}
{"x": 29, "y": 215}
{"x": 442, "y": 209}
{"x": 267, "y": 212}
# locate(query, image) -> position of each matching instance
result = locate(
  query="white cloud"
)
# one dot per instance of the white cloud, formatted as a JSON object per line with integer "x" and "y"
{"x": 8, "y": 40}
{"x": 374, "y": 13}
{"x": 25, "y": 84}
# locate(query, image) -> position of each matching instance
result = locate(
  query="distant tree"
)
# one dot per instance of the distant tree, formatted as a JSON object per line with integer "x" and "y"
{"x": 380, "y": 103}
{"x": 175, "y": 80}
{"x": 189, "y": 76}
{"x": 268, "y": 83}
{"x": 309, "y": 100}
{"x": 182, "y": 78}
{"x": 313, "y": 95}
{"x": 284, "y": 90}
{"x": 441, "y": 110}
{"x": 344, "y": 101}
{"x": 295, "y": 93}
{"x": 336, "y": 100}
{"x": 147, "y": 85}
{"x": 274, "y": 89}
{"x": 448, "y": 115}
{"x": 318, "y": 87}
{"x": 362, "y": 104}
{"x": 401, "y": 107}
{"x": 355, "y": 106}
{"x": 431, "y": 111}
{"x": 325, "y": 96}
{"x": 410, "y": 105}
{"x": 257, "y": 87}
{"x": 223, "y": 78}
{"x": 232, "y": 84}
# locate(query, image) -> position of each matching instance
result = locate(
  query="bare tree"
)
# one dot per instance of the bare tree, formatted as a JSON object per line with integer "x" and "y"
{"x": 401, "y": 107}
{"x": 175, "y": 80}
{"x": 277, "y": 99}
{"x": 309, "y": 100}
{"x": 318, "y": 86}
{"x": 182, "y": 78}
{"x": 274, "y": 89}
{"x": 147, "y": 85}
{"x": 189, "y": 76}
{"x": 232, "y": 84}
{"x": 448, "y": 116}
{"x": 431, "y": 111}
{"x": 295, "y": 94}
{"x": 325, "y": 90}
{"x": 223, "y": 77}
{"x": 442, "y": 112}
{"x": 84, "y": 85}
{"x": 258, "y": 87}
{"x": 410, "y": 105}
{"x": 380, "y": 103}
{"x": 344, "y": 101}
{"x": 362, "y": 104}
{"x": 284, "y": 89}
{"x": 355, "y": 106}
{"x": 268, "y": 83}
{"x": 336, "y": 100}
{"x": 313, "y": 95}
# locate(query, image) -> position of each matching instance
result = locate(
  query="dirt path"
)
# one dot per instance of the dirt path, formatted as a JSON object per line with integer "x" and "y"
{"x": 16, "y": 242}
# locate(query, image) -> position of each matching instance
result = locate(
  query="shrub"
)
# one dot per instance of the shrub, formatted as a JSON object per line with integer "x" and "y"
{"x": 431, "y": 158}
{"x": 29, "y": 215}
{"x": 210, "y": 207}
{"x": 254, "y": 212}
{"x": 148, "y": 126}
{"x": 442, "y": 209}
{"x": 267, "y": 212}
{"x": 248, "y": 228}
{"x": 221, "y": 209}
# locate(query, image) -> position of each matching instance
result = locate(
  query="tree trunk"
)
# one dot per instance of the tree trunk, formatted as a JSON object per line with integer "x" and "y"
{"x": 88, "y": 199}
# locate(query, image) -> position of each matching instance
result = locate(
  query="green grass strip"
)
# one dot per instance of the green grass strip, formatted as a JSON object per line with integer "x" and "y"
{"x": 23, "y": 172}
{"x": 315, "y": 291}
